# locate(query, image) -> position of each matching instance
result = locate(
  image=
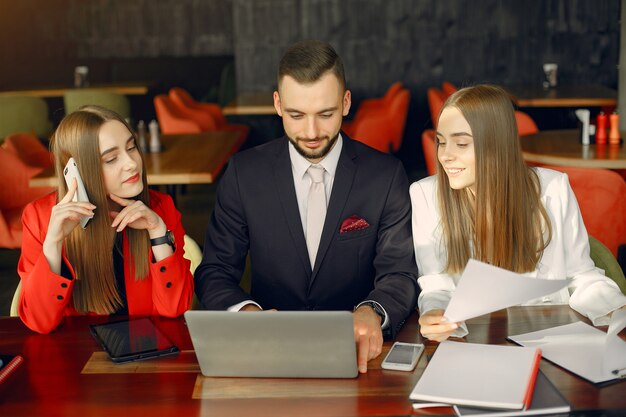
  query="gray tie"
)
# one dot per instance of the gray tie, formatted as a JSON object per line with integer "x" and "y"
{"x": 316, "y": 211}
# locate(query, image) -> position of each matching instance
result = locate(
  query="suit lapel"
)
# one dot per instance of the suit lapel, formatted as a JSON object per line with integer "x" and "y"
{"x": 283, "y": 178}
{"x": 344, "y": 177}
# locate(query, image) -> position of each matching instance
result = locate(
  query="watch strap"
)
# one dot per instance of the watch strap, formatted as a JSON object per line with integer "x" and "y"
{"x": 167, "y": 238}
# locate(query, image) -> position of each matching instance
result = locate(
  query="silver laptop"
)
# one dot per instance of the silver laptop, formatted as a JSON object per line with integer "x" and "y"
{"x": 289, "y": 344}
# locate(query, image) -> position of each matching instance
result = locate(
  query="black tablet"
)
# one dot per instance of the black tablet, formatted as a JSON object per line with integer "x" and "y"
{"x": 132, "y": 340}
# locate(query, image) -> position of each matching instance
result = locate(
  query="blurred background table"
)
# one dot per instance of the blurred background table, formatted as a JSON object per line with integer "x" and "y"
{"x": 195, "y": 158}
{"x": 580, "y": 95}
{"x": 58, "y": 91}
{"x": 563, "y": 147}
{"x": 251, "y": 103}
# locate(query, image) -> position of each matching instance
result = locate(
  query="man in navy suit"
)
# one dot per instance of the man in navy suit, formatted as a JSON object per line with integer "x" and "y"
{"x": 361, "y": 256}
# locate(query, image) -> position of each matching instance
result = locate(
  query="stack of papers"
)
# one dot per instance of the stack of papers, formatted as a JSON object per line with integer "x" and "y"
{"x": 582, "y": 349}
{"x": 477, "y": 375}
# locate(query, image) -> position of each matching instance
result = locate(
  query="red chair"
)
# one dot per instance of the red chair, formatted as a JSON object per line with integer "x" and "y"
{"x": 448, "y": 88}
{"x": 436, "y": 99}
{"x": 171, "y": 120}
{"x": 369, "y": 104}
{"x": 429, "y": 147}
{"x": 601, "y": 195}
{"x": 208, "y": 116}
{"x": 383, "y": 128}
{"x": 525, "y": 124}
{"x": 22, "y": 156}
{"x": 374, "y": 103}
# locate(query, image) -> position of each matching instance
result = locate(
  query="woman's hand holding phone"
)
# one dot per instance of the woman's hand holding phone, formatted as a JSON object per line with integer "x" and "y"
{"x": 65, "y": 216}
{"x": 433, "y": 326}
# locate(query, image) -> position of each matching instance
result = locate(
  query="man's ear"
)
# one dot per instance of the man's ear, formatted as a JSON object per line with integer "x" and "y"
{"x": 277, "y": 103}
{"x": 347, "y": 102}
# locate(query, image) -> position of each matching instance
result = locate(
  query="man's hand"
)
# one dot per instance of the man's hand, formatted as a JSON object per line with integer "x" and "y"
{"x": 368, "y": 335}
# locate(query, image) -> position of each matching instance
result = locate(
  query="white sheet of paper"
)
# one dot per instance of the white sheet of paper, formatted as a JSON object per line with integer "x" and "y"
{"x": 583, "y": 349}
{"x": 484, "y": 288}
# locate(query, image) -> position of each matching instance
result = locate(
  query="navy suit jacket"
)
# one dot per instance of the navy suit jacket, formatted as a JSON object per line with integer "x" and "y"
{"x": 256, "y": 212}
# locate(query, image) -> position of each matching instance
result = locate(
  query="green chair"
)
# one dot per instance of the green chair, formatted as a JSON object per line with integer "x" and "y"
{"x": 76, "y": 98}
{"x": 604, "y": 259}
{"x": 15, "y": 301}
{"x": 21, "y": 114}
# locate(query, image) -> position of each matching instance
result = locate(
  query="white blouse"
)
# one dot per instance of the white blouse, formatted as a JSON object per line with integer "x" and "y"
{"x": 590, "y": 293}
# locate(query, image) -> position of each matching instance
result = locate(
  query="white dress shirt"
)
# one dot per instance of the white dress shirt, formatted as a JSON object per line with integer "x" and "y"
{"x": 590, "y": 293}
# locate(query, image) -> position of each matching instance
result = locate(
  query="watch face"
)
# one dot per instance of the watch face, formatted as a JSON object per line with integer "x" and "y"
{"x": 170, "y": 237}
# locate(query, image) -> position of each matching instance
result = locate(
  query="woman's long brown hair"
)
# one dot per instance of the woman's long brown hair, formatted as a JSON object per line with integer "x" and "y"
{"x": 505, "y": 222}
{"x": 90, "y": 250}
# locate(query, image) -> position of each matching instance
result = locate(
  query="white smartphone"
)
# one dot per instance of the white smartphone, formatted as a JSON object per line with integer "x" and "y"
{"x": 403, "y": 356}
{"x": 70, "y": 172}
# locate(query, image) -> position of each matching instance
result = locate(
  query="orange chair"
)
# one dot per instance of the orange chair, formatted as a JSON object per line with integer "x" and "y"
{"x": 436, "y": 99}
{"x": 369, "y": 104}
{"x": 429, "y": 147}
{"x": 171, "y": 120}
{"x": 399, "y": 109}
{"x": 374, "y": 103}
{"x": 525, "y": 124}
{"x": 383, "y": 128}
{"x": 29, "y": 148}
{"x": 601, "y": 196}
{"x": 448, "y": 88}
{"x": 208, "y": 116}
{"x": 22, "y": 156}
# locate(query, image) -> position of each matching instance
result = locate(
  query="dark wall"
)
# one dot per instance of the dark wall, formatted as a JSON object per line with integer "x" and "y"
{"x": 421, "y": 42}
{"x": 164, "y": 42}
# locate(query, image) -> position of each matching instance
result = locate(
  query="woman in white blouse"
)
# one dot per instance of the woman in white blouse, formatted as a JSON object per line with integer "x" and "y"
{"x": 485, "y": 203}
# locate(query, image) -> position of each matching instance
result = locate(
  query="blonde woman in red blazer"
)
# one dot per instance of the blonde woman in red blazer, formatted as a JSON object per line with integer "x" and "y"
{"x": 128, "y": 259}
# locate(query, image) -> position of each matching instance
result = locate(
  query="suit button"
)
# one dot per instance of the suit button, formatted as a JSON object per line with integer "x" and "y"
{"x": 59, "y": 297}
{"x": 168, "y": 285}
{"x": 163, "y": 269}
{"x": 64, "y": 285}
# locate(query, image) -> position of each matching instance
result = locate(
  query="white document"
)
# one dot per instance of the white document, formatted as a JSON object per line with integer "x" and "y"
{"x": 583, "y": 349}
{"x": 484, "y": 288}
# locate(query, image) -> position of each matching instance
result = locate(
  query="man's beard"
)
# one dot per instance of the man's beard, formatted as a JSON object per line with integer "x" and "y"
{"x": 315, "y": 153}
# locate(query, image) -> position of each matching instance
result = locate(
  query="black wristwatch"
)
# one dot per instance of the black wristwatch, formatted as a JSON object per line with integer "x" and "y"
{"x": 168, "y": 238}
{"x": 376, "y": 307}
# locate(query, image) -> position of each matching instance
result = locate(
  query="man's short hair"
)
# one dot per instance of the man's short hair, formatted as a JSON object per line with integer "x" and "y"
{"x": 307, "y": 61}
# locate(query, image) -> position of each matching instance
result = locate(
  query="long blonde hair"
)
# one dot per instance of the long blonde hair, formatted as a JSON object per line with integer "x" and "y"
{"x": 90, "y": 250}
{"x": 505, "y": 222}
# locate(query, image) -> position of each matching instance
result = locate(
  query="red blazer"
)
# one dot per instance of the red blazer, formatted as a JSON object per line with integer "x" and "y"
{"x": 45, "y": 297}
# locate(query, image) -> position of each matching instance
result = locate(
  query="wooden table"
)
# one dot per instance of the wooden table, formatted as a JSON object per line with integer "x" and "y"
{"x": 251, "y": 103}
{"x": 563, "y": 147}
{"x": 584, "y": 95}
{"x": 58, "y": 91}
{"x": 66, "y": 374}
{"x": 186, "y": 159}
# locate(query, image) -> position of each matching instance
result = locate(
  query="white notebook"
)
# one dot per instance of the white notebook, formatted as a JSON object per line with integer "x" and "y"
{"x": 478, "y": 375}
{"x": 546, "y": 400}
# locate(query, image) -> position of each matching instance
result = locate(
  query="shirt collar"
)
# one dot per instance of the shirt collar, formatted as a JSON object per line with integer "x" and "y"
{"x": 300, "y": 164}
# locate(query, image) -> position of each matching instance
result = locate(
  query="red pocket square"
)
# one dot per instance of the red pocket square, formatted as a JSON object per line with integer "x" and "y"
{"x": 353, "y": 223}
